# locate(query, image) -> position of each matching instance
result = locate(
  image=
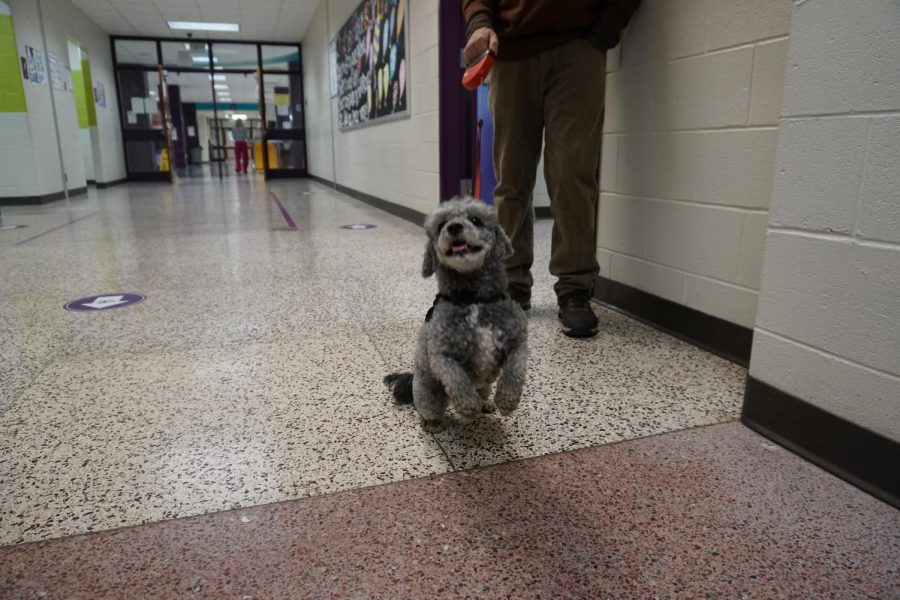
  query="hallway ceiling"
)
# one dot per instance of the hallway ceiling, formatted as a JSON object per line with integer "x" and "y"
{"x": 262, "y": 20}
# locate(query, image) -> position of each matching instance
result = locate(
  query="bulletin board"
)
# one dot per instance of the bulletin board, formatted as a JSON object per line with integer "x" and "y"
{"x": 372, "y": 63}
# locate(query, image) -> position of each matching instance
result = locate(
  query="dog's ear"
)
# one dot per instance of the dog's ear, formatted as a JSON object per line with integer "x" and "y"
{"x": 428, "y": 263}
{"x": 503, "y": 247}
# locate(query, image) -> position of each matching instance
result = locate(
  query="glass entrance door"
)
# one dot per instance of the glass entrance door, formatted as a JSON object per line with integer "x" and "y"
{"x": 143, "y": 108}
{"x": 282, "y": 104}
{"x": 192, "y": 109}
{"x": 225, "y": 97}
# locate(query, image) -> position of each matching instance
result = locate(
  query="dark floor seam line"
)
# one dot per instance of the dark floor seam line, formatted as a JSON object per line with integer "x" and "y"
{"x": 453, "y": 468}
{"x": 284, "y": 211}
{"x": 50, "y": 361}
{"x": 72, "y": 222}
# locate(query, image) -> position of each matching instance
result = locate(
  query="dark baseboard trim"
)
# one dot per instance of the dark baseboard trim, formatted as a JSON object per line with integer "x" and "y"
{"x": 107, "y": 184}
{"x": 542, "y": 212}
{"x": 91, "y": 182}
{"x": 45, "y": 199}
{"x": 413, "y": 216}
{"x": 862, "y": 457}
{"x": 721, "y": 337}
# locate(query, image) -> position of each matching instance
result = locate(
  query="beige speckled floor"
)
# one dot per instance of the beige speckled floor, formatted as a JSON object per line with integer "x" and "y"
{"x": 251, "y": 373}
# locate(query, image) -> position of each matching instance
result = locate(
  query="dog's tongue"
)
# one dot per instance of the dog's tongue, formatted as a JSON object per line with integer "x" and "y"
{"x": 459, "y": 248}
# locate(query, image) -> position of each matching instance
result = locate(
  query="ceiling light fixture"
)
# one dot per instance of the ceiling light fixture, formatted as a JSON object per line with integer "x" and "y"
{"x": 217, "y": 77}
{"x": 203, "y": 59}
{"x": 220, "y": 86}
{"x": 201, "y": 26}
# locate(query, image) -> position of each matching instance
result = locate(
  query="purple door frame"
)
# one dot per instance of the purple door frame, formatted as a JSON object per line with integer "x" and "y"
{"x": 456, "y": 104}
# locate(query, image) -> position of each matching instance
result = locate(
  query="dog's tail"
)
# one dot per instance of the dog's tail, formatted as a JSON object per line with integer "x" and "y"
{"x": 402, "y": 386}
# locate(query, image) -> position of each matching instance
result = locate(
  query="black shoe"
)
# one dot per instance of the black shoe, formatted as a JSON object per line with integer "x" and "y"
{"x": 576, "y": 315}
{"x": 522, "y": 295}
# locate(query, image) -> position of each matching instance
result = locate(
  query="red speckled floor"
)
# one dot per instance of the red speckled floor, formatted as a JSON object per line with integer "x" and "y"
{"x": 713, "y": 512}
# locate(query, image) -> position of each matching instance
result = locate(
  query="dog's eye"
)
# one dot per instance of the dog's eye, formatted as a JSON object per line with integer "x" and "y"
{"x": 475, "y": 221}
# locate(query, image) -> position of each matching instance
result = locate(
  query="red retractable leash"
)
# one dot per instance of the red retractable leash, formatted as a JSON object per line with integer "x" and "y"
{"x": 478, "y": 70}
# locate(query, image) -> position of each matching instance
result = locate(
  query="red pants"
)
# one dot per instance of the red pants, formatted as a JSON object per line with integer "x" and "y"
{"x": 241, "y": 156}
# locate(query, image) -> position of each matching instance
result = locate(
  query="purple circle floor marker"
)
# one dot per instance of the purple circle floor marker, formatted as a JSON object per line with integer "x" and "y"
{"x": 359, "y": 226}
{"x": 103, "y": 302}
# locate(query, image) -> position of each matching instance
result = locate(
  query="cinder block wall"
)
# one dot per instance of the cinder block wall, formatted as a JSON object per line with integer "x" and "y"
{"x": 828, "y": 330}
{"x": 31, "y": 157}
{"x": 693, "y": 100}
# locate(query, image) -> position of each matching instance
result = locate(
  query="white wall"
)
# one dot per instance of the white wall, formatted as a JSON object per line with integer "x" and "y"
{"x": 397, "y": 160}
{"x": 17, "y": 172}
{"x": 829, "y": 319}
{"x": 40, "y": 108}
{"x": 692, "y": 107}
{"x": 316, "y": 91}
{"x": 63, "y": 20}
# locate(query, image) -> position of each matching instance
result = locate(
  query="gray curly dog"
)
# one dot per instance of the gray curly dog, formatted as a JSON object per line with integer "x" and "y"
{"x": 474, "y": 335}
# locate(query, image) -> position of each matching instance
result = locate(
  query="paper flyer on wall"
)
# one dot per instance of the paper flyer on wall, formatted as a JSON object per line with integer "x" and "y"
{"x": 100, "y": 94}
{"x": 60, "y": 74}
{"x": 37, "y": 72}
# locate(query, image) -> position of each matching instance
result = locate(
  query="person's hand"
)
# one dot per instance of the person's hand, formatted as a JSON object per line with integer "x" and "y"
{"x": 480, "y": 40}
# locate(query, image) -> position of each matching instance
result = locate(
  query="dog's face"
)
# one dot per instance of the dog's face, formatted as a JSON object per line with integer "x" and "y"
{"x": 462, "y": 234}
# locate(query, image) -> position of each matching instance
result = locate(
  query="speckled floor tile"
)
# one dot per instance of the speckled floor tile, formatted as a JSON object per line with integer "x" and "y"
{"x": 684, "y": 515}
{"x": 630, "y": 381}
{"x": 170, "y": 409}
{"x": 31, "y": 336}
{"x": 114, "y": 441}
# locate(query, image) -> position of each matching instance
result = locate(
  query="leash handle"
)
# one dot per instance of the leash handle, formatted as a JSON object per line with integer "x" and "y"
{"x": 478, "y": 70}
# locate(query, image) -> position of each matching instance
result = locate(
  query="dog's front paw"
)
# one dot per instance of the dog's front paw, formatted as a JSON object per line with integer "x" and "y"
{"x": 467, "y": 409}
{"x": 433, "y": 425}
{"x": 488, "y": 407}
{"x": 506, "y": 402}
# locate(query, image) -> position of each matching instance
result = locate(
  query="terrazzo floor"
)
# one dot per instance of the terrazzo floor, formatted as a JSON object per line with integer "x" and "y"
{"x": 251, "y": 374}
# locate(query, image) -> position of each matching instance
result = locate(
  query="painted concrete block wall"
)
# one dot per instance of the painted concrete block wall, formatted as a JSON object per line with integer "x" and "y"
{"x": 828, "y": 329}
{"x": 12, "y": 96}
{"x": 17, "y": 172}
{"x": 317, "y": 91}
{"x": 16, "y": 166}
{"x": 63, "y": 20}
{"x": 692, "y": 106}
{"x": 40, "y": 108}
{"x": 395, "y": 160}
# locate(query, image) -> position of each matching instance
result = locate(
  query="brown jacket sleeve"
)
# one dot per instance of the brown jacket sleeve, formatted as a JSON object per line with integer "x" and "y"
{"x": 613, "y": 19}
{"x": 478, "y": 13}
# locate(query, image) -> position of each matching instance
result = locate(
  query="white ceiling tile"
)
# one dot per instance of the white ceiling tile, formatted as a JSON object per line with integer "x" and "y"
{"x": 276, "y": 20}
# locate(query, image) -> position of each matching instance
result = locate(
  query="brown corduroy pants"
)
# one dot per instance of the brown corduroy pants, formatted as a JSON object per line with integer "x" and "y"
{"x": 555, "y": 98}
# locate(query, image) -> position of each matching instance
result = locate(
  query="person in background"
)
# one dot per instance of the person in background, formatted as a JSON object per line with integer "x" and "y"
{"x": 548, "y": 87}
{"x": 241, "y": 154}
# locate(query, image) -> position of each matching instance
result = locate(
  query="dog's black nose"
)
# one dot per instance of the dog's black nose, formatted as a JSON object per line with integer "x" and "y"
{"x": 454, "y": 228}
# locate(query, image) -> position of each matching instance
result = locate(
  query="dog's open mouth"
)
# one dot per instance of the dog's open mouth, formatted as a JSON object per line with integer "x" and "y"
{"x": 462, "y": 249}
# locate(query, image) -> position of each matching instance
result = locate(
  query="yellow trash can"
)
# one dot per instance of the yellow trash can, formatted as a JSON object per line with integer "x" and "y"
{"x": 258, "y": 156}
{"x": 274, "y": 157}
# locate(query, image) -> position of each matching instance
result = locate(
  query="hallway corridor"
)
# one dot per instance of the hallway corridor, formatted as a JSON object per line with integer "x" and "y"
{"x": 230, "y": 436}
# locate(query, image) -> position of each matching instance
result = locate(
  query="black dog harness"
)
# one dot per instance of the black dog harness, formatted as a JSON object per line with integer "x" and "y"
{"x": 466, "y": 298}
